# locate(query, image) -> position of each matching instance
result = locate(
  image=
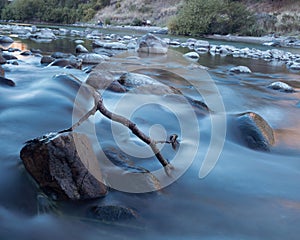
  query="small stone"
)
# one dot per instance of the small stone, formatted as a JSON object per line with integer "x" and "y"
{"x": 240, "y": 69}
{"x": 192, "y": 55}
{"x": 281, "y": 86}
{"x": 7, "y": 82}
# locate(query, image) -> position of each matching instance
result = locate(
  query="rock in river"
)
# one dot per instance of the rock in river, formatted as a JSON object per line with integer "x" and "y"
{"x": 6, "y": 81}
{"x": 255, "y": 131}
{"x": 6, "y": 39}
{"x": 149, "y": 43}
{"x": 240, "y": 69}
{"x": 110, "y": 213}
{"x": 281, "y": 86}
{"x": 64, "y": 165}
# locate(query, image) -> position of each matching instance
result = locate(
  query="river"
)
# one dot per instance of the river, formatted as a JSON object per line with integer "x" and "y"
{"x": 248, "y": 194}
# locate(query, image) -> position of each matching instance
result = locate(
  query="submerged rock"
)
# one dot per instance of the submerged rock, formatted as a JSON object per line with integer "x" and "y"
{"x": 2, "y": 72}
{"x": 281, "y": 86}
{"x": 6, "y": 81}
{"x": 64, "y": 166}
{"x": 140, "y": 83}
{"x": 47, "y": 59}
{"x": 149, "y": 43}
{"x": 255, "y": 131}
{"x": 72, "y": 63}
{"x": 240, "y": 69}
{"x": 111, "y": 213}
{"x": 6, "y": 39}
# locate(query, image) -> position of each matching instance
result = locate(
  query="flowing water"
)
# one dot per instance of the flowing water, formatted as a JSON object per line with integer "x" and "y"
{"x": 248, "y": 194}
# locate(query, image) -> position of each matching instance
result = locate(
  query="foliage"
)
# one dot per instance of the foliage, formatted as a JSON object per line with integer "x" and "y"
{"x": 59, "y": 11}
{"x": 198, "y": 17}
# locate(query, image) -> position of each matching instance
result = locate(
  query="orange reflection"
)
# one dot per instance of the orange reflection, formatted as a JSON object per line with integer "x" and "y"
{"x": 19, "y": 45}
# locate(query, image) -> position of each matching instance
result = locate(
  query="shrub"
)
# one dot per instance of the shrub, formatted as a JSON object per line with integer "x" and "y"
{"x": 198, "y": 17}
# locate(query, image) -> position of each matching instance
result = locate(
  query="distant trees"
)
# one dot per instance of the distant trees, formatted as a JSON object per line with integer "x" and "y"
{"x": 59, "y": 11}
{"x": 198, "y": 17}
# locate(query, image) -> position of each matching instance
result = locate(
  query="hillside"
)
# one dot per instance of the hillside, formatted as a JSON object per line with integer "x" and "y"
{"x": 274, "y": 15}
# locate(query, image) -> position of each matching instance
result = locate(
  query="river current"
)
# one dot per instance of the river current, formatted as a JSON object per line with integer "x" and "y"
{"x": 248, "y": 194}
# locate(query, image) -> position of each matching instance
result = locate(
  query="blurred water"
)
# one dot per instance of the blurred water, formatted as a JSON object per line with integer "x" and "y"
{"x": 248, "y": 195}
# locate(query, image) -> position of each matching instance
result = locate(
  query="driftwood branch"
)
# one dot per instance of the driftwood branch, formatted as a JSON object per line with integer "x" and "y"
{"x": 99, "y": 106}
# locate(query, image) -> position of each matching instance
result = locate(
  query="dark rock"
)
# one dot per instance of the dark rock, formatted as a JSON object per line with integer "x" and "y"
{"x": 73, "y": 63}
{"x": 9, "y": 57}
{"x": 255, "y": 131}
{"x": 6, "y": 81}
{"x": 126, "y": 175}
{"x": 2, "y": 72}
{"x": 2, "y": 59}
{"x": 33, "y": 50}
{"x": 110, "y": 213}
{"x": 47, "y": 59}
{"x": 64, "y": 166}
{"x": 26, "y": 53}
{"x": 149, "y": 43}
{"x": 115, "y": 86}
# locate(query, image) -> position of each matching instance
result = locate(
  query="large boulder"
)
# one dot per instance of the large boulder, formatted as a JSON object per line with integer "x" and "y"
{"x": 65, "y": 166}
{"x": 149, "y": 43}
{"x": 255, "y": 131}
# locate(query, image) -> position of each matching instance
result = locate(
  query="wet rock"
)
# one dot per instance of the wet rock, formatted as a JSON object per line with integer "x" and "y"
{"x": 47, "y": 59}
{"x": 6, "y": 81}
{"x": 64, "y": 166}
{"x": 140, "y": 83}
{"x": 2, "y": 59}
{"x": 295, "y": 66}
{"x": 115, "y": 86}
{"x": 6, "y": 39}
{"x": 192, "y": 55}
{"x": 92, "y": 58}
{"x": 110, "y": 45}
{"x": 240, "y": 69}
{"x": 9, "y": 57}
{"x": 61, "y": 55}
{"x": 44, "y": 34}
{"x": 26, "y": 53}
{"x": 99, "y": 79}
{"x": 71, "y": 63}
{"x": 2, "y": 72}
{"x": 281, "y": 86}
{"x": 255, "y": 131}
{"x": 36, "y": 51}
{"x": 149, "y": 43}
{"x": 111, "y": 213}
{"x": 127, "y": 175}
{"x": 81, "y": 49}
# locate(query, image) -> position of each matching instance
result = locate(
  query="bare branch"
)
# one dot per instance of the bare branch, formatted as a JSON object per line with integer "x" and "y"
{"x": 99, "y": 106}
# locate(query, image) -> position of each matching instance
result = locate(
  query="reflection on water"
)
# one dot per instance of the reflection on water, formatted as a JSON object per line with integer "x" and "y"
{"x": 248, "y": 195}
